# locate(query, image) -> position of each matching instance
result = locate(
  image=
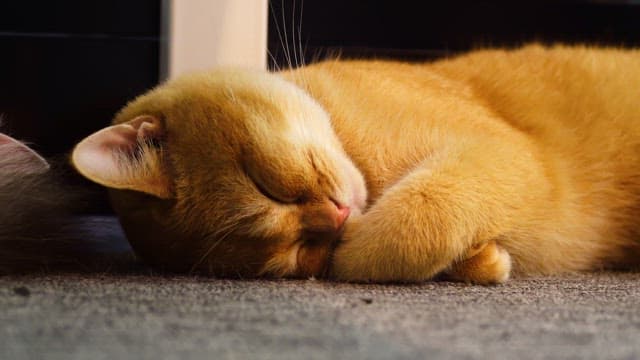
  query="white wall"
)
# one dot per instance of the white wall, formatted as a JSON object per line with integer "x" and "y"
{"x": 201, "y": 34}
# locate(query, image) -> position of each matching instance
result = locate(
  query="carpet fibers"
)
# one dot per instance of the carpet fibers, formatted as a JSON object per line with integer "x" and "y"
{"x": 147, "y": 316}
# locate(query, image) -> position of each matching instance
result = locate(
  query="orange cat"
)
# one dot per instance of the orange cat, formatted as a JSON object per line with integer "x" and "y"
{"x": 491, "y": 163}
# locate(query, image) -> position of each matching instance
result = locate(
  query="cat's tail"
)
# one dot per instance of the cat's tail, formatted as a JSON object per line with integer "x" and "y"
{"x": 38, "y": 228}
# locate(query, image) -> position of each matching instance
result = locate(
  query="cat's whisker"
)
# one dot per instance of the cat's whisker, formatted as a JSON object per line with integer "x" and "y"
{"x": 301, "y": 76}
{"x": 293, "y": 34}
{"x": 276, "y": 66}
{"x": 296, "y": 59}
{"x": 302, "y": 62}
{"x": 280, "y": 36}
{"x": 286, "y": 38}
{"x": 217, "y": 235}
{"x": 212, "y": 247}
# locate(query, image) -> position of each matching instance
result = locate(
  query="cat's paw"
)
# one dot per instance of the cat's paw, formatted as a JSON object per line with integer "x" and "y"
{"x": 486, "y": 264}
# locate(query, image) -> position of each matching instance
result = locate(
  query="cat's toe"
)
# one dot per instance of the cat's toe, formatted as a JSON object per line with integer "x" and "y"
{"x": 490, "y": 264}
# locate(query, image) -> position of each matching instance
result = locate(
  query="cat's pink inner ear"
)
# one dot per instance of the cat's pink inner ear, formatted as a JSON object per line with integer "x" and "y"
{"x": 22, "y": 158}
{"x": 120, "y": 157}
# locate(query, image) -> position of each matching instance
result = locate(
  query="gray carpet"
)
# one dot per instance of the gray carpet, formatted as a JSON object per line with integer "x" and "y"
{"x": 75, "y": 316}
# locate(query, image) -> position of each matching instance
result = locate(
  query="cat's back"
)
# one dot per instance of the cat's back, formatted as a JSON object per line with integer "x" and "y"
{"x": 578, "y": 103}
{"x": 556, "y": 91}
{"x": 540, "y": 90}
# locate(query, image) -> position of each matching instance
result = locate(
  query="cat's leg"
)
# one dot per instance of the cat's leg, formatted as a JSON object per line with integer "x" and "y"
{"x": 435, "y": 215}
{"x": 488, "y": 263}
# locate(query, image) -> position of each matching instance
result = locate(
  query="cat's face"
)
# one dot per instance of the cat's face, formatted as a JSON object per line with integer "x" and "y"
{"x": 230, "y": 172}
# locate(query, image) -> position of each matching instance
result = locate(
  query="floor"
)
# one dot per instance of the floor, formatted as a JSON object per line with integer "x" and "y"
{"x": 139, "y": 315}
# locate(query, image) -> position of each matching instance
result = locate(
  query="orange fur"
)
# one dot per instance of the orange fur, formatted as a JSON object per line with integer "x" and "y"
{"x": 534, "y": 150}
{"x": 486, "y": 264}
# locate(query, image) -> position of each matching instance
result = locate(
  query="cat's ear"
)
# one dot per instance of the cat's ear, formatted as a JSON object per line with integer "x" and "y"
{"x": 126, "y": 156}
{"x": 20, "y": 157}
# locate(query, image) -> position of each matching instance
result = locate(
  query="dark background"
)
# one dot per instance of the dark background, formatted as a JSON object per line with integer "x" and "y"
{"x": 67, "y": 66}
{"x": 419, "y": 30}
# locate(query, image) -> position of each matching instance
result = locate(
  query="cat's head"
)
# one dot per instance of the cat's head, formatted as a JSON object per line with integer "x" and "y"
{"x": 231, "y": 172}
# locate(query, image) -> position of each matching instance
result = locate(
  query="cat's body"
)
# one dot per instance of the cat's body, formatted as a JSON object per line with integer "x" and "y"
{"x": 34, "y": 211}
{"x": 22, "y": 180}
{"x": 532, "y": 153}
{"x": 39, "y": 226}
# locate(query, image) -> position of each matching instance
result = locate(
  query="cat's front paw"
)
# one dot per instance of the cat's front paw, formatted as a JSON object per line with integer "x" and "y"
{"x": 372, "y": 251}
{"x": 362, "y": 254}
{"x": 347, "y": 262}
{"x": 486, "y": 264}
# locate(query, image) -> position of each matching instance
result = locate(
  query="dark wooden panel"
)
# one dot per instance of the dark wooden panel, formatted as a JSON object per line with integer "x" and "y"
{"x": 55, "y": 91}
{"x": 81, "y": 17}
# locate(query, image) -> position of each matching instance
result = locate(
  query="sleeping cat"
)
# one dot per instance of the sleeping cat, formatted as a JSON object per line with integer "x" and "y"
{"x": 32, "y": 209}
{"x": 496, "y": 162}
{"x": 38, "y": 231}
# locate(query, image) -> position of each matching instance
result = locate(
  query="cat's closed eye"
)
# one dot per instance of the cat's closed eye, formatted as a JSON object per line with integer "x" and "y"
{"x": 268, "y": 191}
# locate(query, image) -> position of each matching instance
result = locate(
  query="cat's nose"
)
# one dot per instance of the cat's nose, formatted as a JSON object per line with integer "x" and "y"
{"x": 325, "y": 220}
{"x": 343, "y": 214}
